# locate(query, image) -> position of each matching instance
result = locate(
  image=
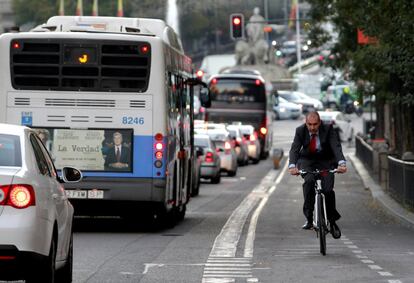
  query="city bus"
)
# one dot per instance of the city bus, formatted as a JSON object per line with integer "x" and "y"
{"x": 242, "y": 98}
{"x": 114, "y": 98}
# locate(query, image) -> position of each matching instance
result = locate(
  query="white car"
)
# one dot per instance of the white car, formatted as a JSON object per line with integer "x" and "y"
{"x": 317, "y": 104}
{"x": 295, "y": 97}
{"x": 341, "y": 124}
{"x": 286, "y": 110}
{"x": 35, "y": 213}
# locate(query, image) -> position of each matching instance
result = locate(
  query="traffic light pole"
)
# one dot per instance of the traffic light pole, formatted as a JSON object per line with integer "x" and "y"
{"x": 298, "y": 41}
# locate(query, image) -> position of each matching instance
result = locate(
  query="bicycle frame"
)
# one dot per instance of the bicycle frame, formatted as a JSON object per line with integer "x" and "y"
{"x": 318, "y": 191}
{"x": 320, "y": 225}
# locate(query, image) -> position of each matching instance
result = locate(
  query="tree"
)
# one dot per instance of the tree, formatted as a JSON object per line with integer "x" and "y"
{"x": 387, "y": 64}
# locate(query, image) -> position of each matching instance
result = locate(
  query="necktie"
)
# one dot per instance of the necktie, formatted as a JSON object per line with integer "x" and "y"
{"x": 118, "y": 154}
{"x": 312, "y": 144}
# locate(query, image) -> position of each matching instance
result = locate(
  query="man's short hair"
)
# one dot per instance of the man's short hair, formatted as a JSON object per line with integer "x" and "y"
{"x": 117, "y": 134}
{"x": 313, "y": 113}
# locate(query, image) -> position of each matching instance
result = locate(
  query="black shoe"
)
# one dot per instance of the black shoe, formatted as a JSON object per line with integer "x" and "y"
{"x": 335, "y": 231}
{"x": 308, "y": 225}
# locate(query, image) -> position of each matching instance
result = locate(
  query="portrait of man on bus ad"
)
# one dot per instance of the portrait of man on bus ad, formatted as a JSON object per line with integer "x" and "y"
{"x": 90, "y": 149}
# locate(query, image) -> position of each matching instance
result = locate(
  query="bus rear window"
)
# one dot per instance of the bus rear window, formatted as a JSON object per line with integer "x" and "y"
{"x": 237, "y": 90}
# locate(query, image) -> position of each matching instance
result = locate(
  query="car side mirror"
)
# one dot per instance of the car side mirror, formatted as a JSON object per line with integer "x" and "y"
{"x": 71, "y": 175}
{"x": 205, "y": 98}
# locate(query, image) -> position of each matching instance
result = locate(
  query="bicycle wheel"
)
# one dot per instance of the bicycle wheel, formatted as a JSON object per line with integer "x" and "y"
{"x": 321, "y": 225}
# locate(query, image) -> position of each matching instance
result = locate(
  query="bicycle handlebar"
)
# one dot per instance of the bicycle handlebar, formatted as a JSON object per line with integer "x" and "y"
{"x": 317, "y": 172}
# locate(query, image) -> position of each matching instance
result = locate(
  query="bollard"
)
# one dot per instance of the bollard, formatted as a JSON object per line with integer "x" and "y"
{"x": 277, "y": 157}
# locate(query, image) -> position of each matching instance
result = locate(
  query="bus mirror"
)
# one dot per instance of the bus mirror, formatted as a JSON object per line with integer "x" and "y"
{"x": 205, "y": 98}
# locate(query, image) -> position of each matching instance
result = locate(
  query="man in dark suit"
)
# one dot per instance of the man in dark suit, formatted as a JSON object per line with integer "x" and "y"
{"x": 118, "y": 157}
{"x": 316, "y": 146}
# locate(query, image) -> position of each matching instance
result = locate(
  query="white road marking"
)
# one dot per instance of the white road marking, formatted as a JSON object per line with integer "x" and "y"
{"x": 251, "y": 234}
{"x": 394, "y": 281}
{"x": 222, "y": 261}
{"x": 348, "y": 243}
{"x": 385, "y": 273}
{"x": 357, "y": 252}
{"x": 219, "y": 280}
{"x": 375, "y": 267}
{"x": 352, "y": 247}
{"x": 150, "y": 265}
{"x": 367, "y": 261}
{"x": 361, "y": 256}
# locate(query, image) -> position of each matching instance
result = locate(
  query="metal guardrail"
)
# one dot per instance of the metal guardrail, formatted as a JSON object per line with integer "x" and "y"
{"x": 364, "y": 152}
{"x": 401, "y": 181}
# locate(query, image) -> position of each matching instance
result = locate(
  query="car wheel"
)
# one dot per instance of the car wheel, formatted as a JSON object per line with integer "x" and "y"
{"x": 196, "y": 187}
{"x": 47, "y": 270}
{"x": 64, "y": 275}
{"x": 216, "y": 179}
{"x": 232, "y": 173}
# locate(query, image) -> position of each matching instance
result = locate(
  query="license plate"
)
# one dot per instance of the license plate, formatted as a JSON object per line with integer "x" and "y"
{"x": 84, "y": 194}
{"x": 76, "y": 194}
{"x": 96, "y": 194}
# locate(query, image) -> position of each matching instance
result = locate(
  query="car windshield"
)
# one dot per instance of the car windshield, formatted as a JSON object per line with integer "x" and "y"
{"x": 10, "y": 154}
{"x": 290, "y": 96}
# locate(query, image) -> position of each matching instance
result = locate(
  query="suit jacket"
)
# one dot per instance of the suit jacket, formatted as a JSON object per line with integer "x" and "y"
{"x": 328, "y": 155}
{"x": 124, "y": 158}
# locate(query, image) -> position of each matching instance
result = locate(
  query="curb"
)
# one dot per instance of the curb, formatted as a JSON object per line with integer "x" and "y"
{"x": 389, "y": 204}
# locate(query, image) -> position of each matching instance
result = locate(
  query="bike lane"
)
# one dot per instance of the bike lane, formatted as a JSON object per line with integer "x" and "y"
{"x": 373, "y": 247}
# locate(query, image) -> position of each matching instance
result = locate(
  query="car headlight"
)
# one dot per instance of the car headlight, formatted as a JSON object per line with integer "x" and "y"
{"x": 356, "y": 103}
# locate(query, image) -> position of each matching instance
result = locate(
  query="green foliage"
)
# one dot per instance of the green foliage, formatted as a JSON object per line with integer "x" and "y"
{"x": 37, "y": 12}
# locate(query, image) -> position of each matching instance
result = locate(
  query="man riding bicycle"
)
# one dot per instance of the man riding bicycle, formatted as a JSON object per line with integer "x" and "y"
{"x": 316, "y": 146}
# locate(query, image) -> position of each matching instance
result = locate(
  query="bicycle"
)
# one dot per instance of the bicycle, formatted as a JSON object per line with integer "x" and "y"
{"x": 320, "y": 222}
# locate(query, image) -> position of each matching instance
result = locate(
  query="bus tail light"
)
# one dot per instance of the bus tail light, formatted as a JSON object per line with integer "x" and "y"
{"x": 17, "y": 196}
{"x": 158, "y": 155}
{"x": 209, "y": 157}
{"x": 159, "y": 146}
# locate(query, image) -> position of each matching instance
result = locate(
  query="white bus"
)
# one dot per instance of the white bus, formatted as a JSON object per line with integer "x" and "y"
{"x": 112, "y": 97}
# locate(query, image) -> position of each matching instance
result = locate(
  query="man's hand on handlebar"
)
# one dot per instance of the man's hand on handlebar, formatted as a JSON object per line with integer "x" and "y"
{"x": 341, "y": 169}
{"x": 294, "y": 171}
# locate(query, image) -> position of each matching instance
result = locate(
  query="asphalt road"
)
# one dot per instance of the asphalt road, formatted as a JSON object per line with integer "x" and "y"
{"x": 246, "y": 230}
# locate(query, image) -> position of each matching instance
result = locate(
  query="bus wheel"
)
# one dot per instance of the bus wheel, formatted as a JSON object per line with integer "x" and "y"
{"x": 180, "y": 213}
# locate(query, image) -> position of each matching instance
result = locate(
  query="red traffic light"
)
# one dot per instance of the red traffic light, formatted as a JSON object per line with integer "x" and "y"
{"x": 236, "y": 21}
{"x": 236, "y": 26}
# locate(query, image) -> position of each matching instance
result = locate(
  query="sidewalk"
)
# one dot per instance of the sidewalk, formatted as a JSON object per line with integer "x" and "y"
{"x": 388, "y": 203}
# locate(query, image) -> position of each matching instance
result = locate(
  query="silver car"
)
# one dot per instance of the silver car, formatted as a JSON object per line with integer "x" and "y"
{"x": 252, "y": 141}
{"x": 225, "y": 149}
{"x": 35, "y": 214}
{"x": 210, "y": 160}
{"x": 240, "y": 144}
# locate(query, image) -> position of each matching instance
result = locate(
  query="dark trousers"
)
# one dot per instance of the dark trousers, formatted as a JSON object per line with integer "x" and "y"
{"x": 327, "y": 183}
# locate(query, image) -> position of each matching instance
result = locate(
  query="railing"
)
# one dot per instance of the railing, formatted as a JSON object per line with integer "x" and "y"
{"x": 401, "y": 181}
{"x": 364, "y": 152}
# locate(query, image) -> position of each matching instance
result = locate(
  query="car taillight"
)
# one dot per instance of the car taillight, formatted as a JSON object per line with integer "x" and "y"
{"x": 252, "y": 138}
{"x": 263, "y": 130}
{"x": 209, "y": 157}
{"x": 18, "y": 196}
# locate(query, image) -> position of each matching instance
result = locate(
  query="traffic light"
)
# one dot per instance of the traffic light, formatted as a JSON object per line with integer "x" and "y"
{"x": 236, "y": 26}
